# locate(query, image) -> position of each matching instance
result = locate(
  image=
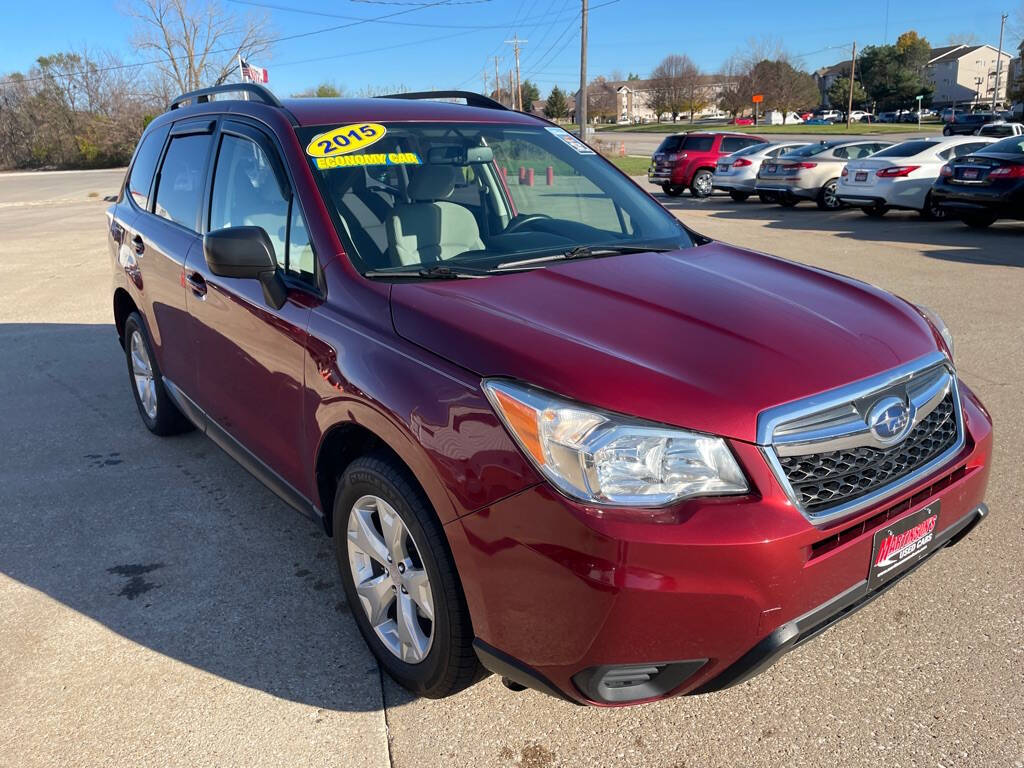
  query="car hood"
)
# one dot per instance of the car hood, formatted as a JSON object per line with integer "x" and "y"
{"x": 704, "y": 338}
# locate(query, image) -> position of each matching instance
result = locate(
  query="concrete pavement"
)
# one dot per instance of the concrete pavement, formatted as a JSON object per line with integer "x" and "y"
{"x": 160, "y": 607}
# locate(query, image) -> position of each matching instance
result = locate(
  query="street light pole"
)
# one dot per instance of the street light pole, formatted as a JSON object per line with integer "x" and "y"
{"x": 581, "y": 106}
{"x": 853, "y": 74}
{"x": 999, "y": 62}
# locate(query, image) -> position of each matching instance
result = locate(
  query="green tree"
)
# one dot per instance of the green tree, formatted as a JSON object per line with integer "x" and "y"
{"x": 894, "y": 75}
{"x": 531, "y": 93}
{"x": 839, "y": 93}
{"x": 557, "y": 105}
{"x": 325, "y": 90}
{"x": 632, "y": 76}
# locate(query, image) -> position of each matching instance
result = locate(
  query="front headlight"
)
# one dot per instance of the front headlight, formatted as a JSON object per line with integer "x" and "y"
{"x": 602, "y": 458}
{"x": 932, "y": 317}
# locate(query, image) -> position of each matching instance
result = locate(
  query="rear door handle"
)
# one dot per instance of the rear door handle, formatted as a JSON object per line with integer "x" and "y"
{"x": 197, "y": 283}
{"x": 116, "y": 232}
{"x": 140, "y": 246}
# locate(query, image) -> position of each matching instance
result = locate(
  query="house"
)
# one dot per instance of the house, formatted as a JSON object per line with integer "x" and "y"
{"x": 629, "y": 101}
{"x": 826, "y": 77}
{"x": 966, "y": 74}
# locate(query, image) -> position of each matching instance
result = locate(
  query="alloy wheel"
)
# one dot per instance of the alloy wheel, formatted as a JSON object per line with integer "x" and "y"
{"x": 829, "y": 196}
{"x": 390, "y": 579}
{"x": 142, "y": 372}
{"x": 702, "y": 183}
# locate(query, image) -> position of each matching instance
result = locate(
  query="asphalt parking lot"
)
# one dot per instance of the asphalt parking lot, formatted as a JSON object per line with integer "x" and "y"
{"x": 159, "y": 607}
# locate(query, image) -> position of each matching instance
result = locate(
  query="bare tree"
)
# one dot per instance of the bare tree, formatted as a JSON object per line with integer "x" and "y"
{"x": 198, "y": 42}
{"x": 602, "y": 100}
{"x": 676, "y": 86}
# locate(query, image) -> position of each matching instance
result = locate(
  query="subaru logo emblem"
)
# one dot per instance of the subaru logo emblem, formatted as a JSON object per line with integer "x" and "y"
{"x": 890, "y": 419}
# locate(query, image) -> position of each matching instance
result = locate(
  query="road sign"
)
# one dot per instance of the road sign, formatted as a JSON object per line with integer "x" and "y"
{"x": 757, "y": 98}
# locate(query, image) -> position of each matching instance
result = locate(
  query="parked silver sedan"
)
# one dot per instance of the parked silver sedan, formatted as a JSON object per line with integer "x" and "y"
{"x": 737, "y": 173}
{"x": 812, "y": 172}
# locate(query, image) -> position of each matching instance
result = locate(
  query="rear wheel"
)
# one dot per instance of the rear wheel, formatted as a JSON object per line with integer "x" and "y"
{"x": 739, "y": 197}
{"x": 876, "y": 211}
{"x": 932, "y": 210}
{"x": 978, "y": 220}
{"x": 159, "y": 413}
{"x": 947, "y": 131}
{"x": 700, "y": 186}
{"x": 828, "y": 198}
{"x": 400, "y": 580}
{"x": 672, "y": 190}
{"x": 768, "y": 197}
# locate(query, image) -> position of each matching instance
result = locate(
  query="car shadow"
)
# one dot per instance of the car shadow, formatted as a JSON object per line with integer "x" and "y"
{"x": 165, "y": 541}
{"x": 1000, "y": 244}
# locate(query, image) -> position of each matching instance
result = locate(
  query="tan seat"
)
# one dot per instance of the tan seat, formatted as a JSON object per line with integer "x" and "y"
{"x": 430, "y": 229}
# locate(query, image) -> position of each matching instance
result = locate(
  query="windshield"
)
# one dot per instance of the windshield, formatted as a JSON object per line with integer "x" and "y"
{"x": 751, "y": 150}
{"x": 473, "y": 196}
{"x": 906, "y": 149}
{"x": 809, "y": 150}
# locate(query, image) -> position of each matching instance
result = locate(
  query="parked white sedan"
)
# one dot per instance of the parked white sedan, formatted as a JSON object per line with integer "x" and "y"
{"x": 901, "y": 176}
{"x": 737, "y": 173}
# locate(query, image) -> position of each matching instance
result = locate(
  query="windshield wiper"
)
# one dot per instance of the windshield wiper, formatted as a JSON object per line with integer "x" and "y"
{"x": 433, "y": 272}
{"x": 583, "y": 252}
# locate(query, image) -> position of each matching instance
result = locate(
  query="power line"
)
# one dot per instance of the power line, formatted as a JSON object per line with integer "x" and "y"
{"x": 233, "y": 49}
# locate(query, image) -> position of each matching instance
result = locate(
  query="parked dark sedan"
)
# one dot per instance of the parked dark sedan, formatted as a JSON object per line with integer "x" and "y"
{"x": 965, "y": 125}
{"x": 984, "y": 186}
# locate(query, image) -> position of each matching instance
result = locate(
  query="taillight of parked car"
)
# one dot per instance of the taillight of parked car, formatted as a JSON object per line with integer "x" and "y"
{"x": 1007, "y": 172}
{"x": 899, "y": 170}
{"x": 946, "y": 170}
{"x": 741, "y": 162}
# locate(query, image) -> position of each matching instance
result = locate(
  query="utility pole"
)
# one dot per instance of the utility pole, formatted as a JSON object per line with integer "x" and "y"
{"x": 485, "y": 82}
{"x": 853, "y": 75}
{"x": 511, "y": 88}
{"x": 999, "y": 62}
{"x": 581, "y": 102}
{"x": 497, "y": 79}
{"x": 515, "y": 42}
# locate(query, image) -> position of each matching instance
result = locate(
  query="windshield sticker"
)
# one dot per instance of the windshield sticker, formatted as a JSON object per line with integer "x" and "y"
{"x": 572, "y": 141}
{"x": 371, "y": 158}
{"x": 347, "y": 138}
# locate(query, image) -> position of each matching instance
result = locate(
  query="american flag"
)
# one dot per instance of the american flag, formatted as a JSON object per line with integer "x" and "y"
{"x": 251, "y": 74}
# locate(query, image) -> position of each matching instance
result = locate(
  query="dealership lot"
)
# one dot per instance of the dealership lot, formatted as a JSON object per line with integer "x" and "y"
{"x": 160, "y": 607}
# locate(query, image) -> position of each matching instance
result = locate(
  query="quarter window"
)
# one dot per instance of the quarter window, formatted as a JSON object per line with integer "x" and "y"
{"x": 140, "y": 180}
{"x": 180, "y": 186}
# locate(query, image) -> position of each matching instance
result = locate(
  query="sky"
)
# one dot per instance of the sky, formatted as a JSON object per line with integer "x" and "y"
{"x": 434, "y": 44}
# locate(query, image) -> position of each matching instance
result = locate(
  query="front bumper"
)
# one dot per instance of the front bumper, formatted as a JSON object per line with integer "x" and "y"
{"x": 559, "y": 592}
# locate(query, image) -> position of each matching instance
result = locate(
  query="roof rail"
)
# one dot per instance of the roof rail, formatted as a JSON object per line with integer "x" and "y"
{"x": 203, "y": 95}
{"x": 472, "y": 98}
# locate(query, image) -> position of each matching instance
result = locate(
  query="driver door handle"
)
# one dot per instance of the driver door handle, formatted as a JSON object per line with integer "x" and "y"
{"x": 140, "y": 246}
{"x": 197, "y": 283}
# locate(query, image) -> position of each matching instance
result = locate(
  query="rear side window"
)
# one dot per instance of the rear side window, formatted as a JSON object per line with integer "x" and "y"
{"x": 140, "y": 181}
{"x": 670, "y": 144}
{"x": 180, "y": 186}
{"x": 698, "y": 143}
{"x": 1012, "y": 146}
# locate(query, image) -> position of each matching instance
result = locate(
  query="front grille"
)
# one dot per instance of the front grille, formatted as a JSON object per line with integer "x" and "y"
{"x": 824, "y": 480}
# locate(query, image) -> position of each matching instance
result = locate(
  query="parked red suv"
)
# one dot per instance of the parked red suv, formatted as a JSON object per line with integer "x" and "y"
{"x": 688, "y": 160}
{"x": 554, "y": 433}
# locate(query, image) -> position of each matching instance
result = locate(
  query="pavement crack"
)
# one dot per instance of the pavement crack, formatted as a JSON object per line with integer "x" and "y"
{"x": 384, "y": 710}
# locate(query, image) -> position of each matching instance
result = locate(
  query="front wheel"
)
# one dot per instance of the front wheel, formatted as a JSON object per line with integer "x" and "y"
{"x": 768, "y": 197}
{"x": 828, "y": 198}
{"x": 947, "y": 131}
{"x": 739, "y": 197}
{"x": 978, "y": 220}
{"x": 876, "y": 211}
{"x": 672, "y": 190}
{"x": 400, "y": 580}
{"x": 788, "y": 202}
{"x": 932, "y": 211}
{"x": 700, "y": 186}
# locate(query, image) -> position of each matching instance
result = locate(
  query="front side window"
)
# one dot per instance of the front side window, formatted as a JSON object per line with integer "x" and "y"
{"x": 141, "y": 178}
{"x": 247, "y": 192}
{"x": 180, "y": 186}
{"x": 408, "y": 196}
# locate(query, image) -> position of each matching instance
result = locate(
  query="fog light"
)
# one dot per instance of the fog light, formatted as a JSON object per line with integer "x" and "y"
{"x": 632, "y": 682}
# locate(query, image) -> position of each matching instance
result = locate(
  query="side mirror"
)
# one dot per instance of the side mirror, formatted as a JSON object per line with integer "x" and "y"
{"x": 247, "y": 253}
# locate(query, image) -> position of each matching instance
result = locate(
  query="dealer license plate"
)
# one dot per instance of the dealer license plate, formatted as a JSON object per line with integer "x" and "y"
{"x": 902, "y": 543}
{"x": 971, "y": 173}
{"x": 861, "y": 176}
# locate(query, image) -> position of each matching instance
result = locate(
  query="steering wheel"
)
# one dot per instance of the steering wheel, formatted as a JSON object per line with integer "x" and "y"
{"x": 522, "y": 219}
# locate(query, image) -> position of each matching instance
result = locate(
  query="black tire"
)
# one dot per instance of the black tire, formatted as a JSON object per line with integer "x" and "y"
{"x": 768, "y": 197}
{"x": 672, "y": 190}
{"x": 787, "y": 202}
{"x": 931, "y": 211}
{"x": 451, "y": 663}
{"x": 828, "y": 199}
{"x": 739, "y": 197}
{"x": 978, "y": 220}
{"x": 947, "y": 131}
{"x": 875, "y": 211}
{"x": 167, "y": 419}
{"x": 700, "y": 184}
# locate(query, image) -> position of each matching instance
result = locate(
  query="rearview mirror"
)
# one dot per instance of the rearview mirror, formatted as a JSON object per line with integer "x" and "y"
{"x": 247, "y": 253}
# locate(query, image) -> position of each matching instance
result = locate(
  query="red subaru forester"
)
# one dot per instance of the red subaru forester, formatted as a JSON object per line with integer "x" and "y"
{"x": 554, "y": 433}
